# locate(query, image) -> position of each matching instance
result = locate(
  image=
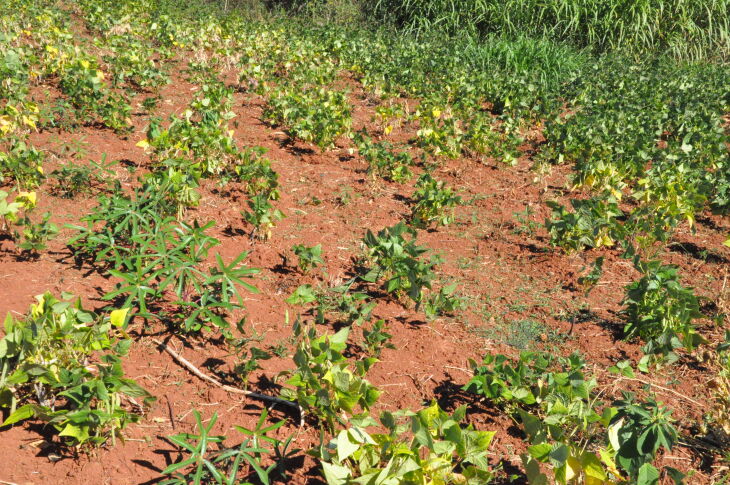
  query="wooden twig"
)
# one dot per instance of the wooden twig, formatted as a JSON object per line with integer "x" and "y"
{"x": 662, "y": 388}
{"x": 234, "y": 390}
{"x": 465, "y": 371}
{"x": 172, "y": 415}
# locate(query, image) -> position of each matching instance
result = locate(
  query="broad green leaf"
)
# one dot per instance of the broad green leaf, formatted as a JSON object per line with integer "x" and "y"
{"x": 80, "y": 433}
{"x": 648, "y": 475}
{"x": 572, "y": 468}
{"x": 676, "y": 476}
{"x": 533, "y": 472}
{"x": 20, "y": 414}
{"x": 559, "y": 454}
{"x": 345, "y": 447}
{"x": 592, "y": 468}
{"x": 335, "y": 474}
{"x": 540, "y": 452}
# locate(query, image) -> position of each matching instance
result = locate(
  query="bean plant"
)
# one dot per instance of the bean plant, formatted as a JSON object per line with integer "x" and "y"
{"x": 62, "y": 365}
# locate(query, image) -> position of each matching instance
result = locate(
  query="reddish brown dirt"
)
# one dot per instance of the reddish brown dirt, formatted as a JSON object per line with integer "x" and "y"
{"x": 507, "y": 271}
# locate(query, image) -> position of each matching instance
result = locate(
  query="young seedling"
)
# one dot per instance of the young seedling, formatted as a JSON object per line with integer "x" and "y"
{"x": 308, "y": 257}
{"x": 263, "y": 216}
{"x": 433, "y": 203}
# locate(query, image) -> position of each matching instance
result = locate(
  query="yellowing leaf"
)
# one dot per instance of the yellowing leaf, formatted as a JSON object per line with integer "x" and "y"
{"x": 6, "y": 125}
{"x": 594, "y": 472}
{"x": 572, "y": 468}
{"x": 29, "y": 122}
{"x": 607, "y": 460}
{"x": 603, "y": 240}
{"x": 142, "y": 144}
{"x": 117, "y": 317}
{"x": 27, "y": 199}
{"x": 597, "y": 481}
{"x": 613, "y": 439}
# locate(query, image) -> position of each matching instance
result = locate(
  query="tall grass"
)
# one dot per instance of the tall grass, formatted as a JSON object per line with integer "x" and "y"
{"x": 687, "y": 29}
{"x": 319, "y": 11}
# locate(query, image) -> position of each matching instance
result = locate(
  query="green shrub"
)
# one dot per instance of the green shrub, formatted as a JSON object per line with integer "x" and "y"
{"x": 397, "y": 259}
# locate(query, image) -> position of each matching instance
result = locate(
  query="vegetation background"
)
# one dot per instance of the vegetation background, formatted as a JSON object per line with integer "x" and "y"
{"x": 687, "y": 29}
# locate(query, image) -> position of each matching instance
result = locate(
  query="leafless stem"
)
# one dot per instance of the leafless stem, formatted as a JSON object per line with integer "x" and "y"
{"x": 234, "y": 390}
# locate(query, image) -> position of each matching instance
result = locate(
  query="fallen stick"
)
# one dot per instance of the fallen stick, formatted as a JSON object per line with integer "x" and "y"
{"x": 234, "y": 390}
{"x": 662, "y": 388}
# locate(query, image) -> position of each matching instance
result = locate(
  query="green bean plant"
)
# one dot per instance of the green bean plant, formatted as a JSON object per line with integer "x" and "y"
{"x": 62, "y": 365}
{"x": 323, "y": 383}
{"x": 433, "y": 202}
{"x": 428, "y": 446}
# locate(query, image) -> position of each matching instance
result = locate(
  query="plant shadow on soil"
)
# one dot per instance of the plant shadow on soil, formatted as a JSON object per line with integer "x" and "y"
{"x": 291, "y": 145}
{"x": 614, "y": 326}
{"x": 696, "y": 252}
{"x": 48, "y": 448}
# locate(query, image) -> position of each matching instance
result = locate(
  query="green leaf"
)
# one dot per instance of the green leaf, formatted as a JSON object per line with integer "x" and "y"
{"x": 6, "y": 398}
{"x": 648, "y": 475}
{"x": 540, "y": 452}
{"x": 34, "y": 370}
{"x": 533, "y": 427}
{"x": 559, "y": 455}
{"x": 177, "y": 466}
{"x": 335, "y": 474}
{"x": 592, "y": 467}
{"x": 79, "y": 433}
{"x": 20, "y": 414}
{"x": 302, "y": 295}
{"x": 345, "y": 447}
{"x": 676, "y": 476}
{"x": 340, "y": 338}
{"x": 532, "y": 469}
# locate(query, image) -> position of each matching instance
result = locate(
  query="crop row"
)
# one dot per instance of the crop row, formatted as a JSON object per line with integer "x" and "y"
{"x": 649, "y": 147}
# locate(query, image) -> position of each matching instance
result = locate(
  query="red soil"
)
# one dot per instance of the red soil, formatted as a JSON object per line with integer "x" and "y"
{"x": 507, "y": 273}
